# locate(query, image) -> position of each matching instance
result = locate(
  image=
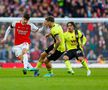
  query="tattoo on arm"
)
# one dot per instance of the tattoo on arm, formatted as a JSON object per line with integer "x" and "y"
{"x": 57, "y": 38}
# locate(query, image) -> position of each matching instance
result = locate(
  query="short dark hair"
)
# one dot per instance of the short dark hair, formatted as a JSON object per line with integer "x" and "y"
{"x": 72, "y": 23}
{"x": 26, "y": 16}
{"x": 50, "y": 18}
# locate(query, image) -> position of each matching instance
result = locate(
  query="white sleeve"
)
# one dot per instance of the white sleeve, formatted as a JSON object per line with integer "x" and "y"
{"x": 42, "y": 28}
{"x": 7, "y": 32}
{"x": 33, "y": 27}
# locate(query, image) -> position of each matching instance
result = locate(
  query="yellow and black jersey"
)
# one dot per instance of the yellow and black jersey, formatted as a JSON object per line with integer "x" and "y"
{"x": 71, "y": 40}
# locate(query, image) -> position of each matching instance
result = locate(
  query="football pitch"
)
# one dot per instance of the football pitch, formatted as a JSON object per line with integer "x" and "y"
{"x": 13, "y": 79}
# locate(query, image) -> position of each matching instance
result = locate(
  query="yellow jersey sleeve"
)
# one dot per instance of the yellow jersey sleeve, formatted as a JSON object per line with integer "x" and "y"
{"x": 80, "y": 34}
{"x": 82, "y": 38}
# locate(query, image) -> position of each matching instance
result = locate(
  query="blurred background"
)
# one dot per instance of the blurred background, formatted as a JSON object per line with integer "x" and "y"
{"x": 96, "y": 49}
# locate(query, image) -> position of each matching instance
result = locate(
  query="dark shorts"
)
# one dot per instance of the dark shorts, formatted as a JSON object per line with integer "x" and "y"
{"x": 54, "y": 56}
{"x": 75, "y": 53}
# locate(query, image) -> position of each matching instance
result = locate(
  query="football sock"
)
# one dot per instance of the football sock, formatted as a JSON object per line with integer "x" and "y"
{"x": 39, "y": 64}
{"x": 68, "y": 65}
{"x": 25, "y": 60}
{"x": 29, "y": 65}
{"x": 50, "y": 71}
{"x": 85, "y": 64}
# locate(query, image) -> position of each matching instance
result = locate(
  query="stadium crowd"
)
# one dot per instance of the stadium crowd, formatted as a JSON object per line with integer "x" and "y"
{"x": 96, "y": 33}
{"x": 56, "y": 8}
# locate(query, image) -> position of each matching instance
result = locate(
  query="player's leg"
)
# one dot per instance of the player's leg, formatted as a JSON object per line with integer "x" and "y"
{"x": 84, "y": 63}
{"x": 47, "y": 60}
{"x": 41, "y": 59}
{"x": 49, "y": 68}
{"x": 27, "y": 65}
{"x": 25, "y": 48}
{"x": 43, "y": 56}
{"x": 18, "y": 53}
{"x": 68, "y": 56}
{"x": 68, "y": 64}
{"x": 39, "y": 63}
{"x": 81, "y": 58}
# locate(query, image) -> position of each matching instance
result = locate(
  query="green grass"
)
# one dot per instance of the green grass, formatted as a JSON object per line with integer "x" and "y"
{"x": 13, "y": 79}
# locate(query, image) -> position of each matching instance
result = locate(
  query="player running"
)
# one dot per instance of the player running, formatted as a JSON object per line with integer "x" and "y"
{"x": 75, "y": 42}
{"x": 22, "y": 31}
{"x": 54, "y": 51}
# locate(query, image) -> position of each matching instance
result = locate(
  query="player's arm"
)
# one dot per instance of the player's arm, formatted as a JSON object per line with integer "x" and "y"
{"x": 8, "y": 31}
{"x": 47, "y": 35}
{"x": 39, "y": 29}
{"x": 35, "y": 29}
{"x": 6, "y": 34}
{"x": 83, "y": 39}
{"x": 57, "y": 43}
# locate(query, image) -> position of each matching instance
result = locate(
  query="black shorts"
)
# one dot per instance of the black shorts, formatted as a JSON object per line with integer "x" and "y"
{"x": 49, "y": 48}
{"x": 75, "y": 53}
{"x": 54, "y": 56}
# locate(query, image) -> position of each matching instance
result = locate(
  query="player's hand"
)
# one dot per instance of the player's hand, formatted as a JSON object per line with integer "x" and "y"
{"x": 52, "y": 51}
{"x": 47, "y": 35}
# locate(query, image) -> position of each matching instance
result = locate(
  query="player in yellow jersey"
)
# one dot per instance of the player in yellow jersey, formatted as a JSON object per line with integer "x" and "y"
{"x": 54, "y": 51}
{"x": 75, "y": 40}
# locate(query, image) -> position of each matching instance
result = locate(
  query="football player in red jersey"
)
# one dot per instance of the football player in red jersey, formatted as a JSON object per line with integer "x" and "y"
{"x": 22, "y": 31}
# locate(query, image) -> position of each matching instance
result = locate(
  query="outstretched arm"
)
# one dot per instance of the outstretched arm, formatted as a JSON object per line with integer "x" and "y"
{"x": 8, "y": 31}
{"x": 38, "y": 29}
{"x": 35, "y": 29}
{"x": 6, "y": 34}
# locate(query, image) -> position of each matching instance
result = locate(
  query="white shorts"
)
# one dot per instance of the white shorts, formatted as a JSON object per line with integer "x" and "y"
{"x": 19, "y": 48}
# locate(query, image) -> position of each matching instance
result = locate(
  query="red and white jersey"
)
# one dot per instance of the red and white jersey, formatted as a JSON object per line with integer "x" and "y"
{"x": 22, "y": 32}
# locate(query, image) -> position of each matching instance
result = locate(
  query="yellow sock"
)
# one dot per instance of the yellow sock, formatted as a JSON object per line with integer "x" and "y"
{"x": 85, "y": 64}
{"x": 50, "y": 70}
{"x": 39, "y": 64}
{"x": 68, "y": 65}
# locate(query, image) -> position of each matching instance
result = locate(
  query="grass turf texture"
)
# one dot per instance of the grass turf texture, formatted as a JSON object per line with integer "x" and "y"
{"x": 13, "y": 79}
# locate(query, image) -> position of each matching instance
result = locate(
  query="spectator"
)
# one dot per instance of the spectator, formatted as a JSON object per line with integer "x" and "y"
{"x": 35, "y": 53}
{"x": 100, "y": 59}
{"x": 91, "y": 55}
{"x": 42, "y": 8}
